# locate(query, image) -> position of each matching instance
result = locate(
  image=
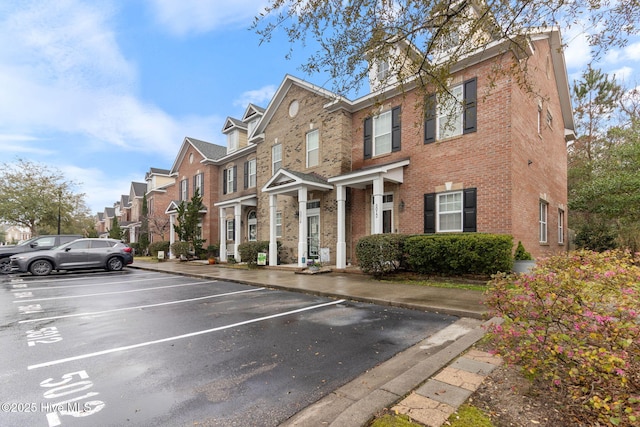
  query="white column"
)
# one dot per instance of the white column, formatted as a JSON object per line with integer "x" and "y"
{"x": 302, "y": 227}
{"x": 273, "y": 245}
{"x": 223, "y": 235}
{"x": 378, "y": 190}
{"x": 341, "y": 247}
{"x": 172, "y": 234}
{"x": 237, "y": 216}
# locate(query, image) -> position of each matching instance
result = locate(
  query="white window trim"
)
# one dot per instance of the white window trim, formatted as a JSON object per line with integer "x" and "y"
{"x": 233, "y": 139}
{"x": 183, "y": 190}
{"x": 230, "y": 179}
{"x": 199, "y": 184}
{"x": 230, "y": 224}
{"x": 381, "y": 134}
{"x": 315, "y": 132}
{"x": 560, "y": 226}
{"x": 543, "y": 221}
{"x": 460, "y": 212}
{"x": 278, "y": 224}
{"x": 445, "y": 115}
{"x": 253, "y": 176}
{"x": 275, "y": 160}
{"x": 252, "y": 222}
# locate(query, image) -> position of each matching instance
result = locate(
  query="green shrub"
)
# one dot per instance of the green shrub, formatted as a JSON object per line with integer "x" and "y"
{"x": 573, "y": 322}
{"x": 521, "y": 254}
{"x": 136, "y": 248}
{"x": 459, "y": 254}
{"x": 155, "y": 247}
{"x": 380, "y": 254}
{"x": 249, "y": 251}
{"x": 180, "y": 249}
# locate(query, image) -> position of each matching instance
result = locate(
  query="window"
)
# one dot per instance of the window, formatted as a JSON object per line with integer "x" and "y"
{"x": 450, "y": 211}
{"x": 251, "y": 126}
{"x": 184, "y": 190}
{"x": 313, "y": 148}
{"x": 278, "y": 224}
{"x": 250, "y": 174}
{"x": 198, "y": 184}
{"x": 382, "y": 133}
{"x": 232, "y": 140}
{"x": 560, "y": 226}
{"x": 229, "y": 181}
{"x": 276, "y": 157}
{"x": 231, "y": 229}
{"x": 382, "y": 72}
{"x": 450, "y": 114}
{"x": 455, "y": 115}
{"x": 543, "y": 221}
{"x": 252, "y": 226}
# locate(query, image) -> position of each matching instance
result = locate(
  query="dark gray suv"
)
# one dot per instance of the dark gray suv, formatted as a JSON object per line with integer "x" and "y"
{"x": 34, "y": 244}
{"x": 109, "y": 254}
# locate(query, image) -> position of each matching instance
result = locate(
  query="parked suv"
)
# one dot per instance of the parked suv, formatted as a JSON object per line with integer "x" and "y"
{"x": 81, "y": 254}
{"x": 34, "y": 244}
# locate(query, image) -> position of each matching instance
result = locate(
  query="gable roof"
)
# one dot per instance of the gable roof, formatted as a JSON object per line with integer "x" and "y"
{"x": 279, "y": 96}
{"x": 287, "y": 181}
{"x": 156, "y": 171}
{"x": 138, "y": 189}
{"x": 232, "y": 123}
{"x": 251, "y": 112}
{"x": 207, "y": 150}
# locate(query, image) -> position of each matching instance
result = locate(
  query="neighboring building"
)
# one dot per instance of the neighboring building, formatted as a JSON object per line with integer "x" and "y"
{"x": 192, "y": 169}
{"x": 134, "y": 211}
{"x": 159, "y": 183}
{"x": 12, "y": 234}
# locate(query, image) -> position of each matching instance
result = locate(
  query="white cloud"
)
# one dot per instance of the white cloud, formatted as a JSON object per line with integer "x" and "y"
{"x": 62, "y": 71}
{"x": 197, "y": 16}
{"x": 260, "y": 97}
{"x": 577, "y": 54}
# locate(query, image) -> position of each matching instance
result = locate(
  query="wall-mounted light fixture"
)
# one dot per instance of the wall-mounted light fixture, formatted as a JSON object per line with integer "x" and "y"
{"x": 296, "y": 214}
{"x": 529, "y": 162}
{"x": 401, "y": 206}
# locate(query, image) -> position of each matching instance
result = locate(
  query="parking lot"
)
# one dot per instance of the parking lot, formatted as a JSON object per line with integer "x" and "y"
{"x": 147, "y": 348}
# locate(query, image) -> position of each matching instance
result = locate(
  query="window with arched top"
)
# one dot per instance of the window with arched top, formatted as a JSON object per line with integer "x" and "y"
{"x": 252, "y": 226}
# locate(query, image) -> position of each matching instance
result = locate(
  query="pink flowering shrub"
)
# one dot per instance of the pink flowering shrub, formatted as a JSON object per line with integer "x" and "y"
{"x": 574, "y": 323}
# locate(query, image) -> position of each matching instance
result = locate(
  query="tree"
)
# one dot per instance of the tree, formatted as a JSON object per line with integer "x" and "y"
{"x": 115, "y": 232}
{"x": 187, "y": 225}
{"x": 35, "y": 196}
{"x": 352, "y": 37}
{"x": 159, "y": 224}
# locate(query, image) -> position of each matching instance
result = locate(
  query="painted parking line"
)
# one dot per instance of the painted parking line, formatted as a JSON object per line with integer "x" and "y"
{"x": 138, "y": 307}
{"x": 21, "y": 301}
{"x": 178, "y": 337}
{"x": 46, "y": 288}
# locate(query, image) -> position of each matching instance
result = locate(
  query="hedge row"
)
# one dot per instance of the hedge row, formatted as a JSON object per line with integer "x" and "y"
{"x": 447, "y": 254}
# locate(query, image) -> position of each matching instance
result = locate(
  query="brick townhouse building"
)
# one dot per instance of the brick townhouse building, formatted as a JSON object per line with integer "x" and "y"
{"x": 314, "y": 172}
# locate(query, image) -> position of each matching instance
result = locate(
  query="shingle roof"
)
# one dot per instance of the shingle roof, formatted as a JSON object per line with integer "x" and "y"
{"x": 139, "y": 188}
{"x": 209, "y": 151}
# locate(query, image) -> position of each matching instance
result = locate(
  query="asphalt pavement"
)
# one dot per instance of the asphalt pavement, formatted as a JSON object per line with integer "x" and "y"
{"x": 428, "y": 381}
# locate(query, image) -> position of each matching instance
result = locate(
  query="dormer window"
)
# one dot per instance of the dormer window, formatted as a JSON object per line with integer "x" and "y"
{"x": 233, "y": 138}
{"x": 251, "y": 127}
{"x": 382, "y": 70}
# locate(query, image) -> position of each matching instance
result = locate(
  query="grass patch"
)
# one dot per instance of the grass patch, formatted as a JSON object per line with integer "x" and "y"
{"x": 390, "y": 420}
{"x": 437, "y": 282}
{"x": 469, "y": 416}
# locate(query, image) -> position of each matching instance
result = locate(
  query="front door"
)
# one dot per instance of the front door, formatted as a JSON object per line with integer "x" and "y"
{"x": 313, "y": 230}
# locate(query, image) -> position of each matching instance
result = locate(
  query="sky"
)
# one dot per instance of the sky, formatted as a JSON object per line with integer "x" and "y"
{"x": 104, "y": 90}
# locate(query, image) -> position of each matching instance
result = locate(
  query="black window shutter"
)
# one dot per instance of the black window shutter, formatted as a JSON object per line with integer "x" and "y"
{"x": 469, "y": 210}
{"x": 368, "y": 134}
{"x": 246, "y": 175}
{"x": 195, "y": 184}
{"x": 430, "y": 213}
{"x": 235, "y": 178}
{"x": 430, "y": 119}
{"x": 470, "y": 105}
{"x": 224, "y": 181}
{"x": 202, "y": 184}
{"x": 186, "y": 185}
{"x": 395, "y": 129}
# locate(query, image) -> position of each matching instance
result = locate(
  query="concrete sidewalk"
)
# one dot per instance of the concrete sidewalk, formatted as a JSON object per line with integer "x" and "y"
{"x": 428, "y": 381}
